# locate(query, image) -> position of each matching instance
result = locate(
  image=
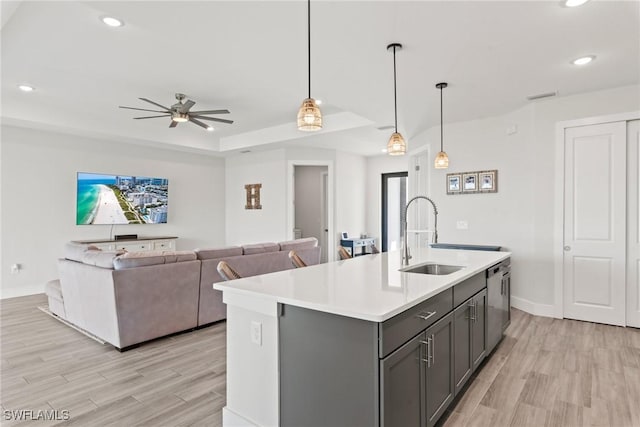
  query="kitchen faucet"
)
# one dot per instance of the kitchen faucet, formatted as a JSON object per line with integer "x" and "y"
{"x": 405, "y": 250}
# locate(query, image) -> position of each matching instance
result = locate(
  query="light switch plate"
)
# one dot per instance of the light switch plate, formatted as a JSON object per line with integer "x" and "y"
{"x": 256, "y": 333}
{"x": 462, "y": 225}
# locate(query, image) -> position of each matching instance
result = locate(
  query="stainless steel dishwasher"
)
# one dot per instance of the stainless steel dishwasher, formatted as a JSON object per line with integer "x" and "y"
{"x": 498, "y": 303}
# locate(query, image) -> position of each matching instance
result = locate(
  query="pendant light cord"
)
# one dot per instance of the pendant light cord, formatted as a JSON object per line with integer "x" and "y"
{"x": 395, "y": 95}
{"x": 309, "y": 42}
{"x": 441, "y": 118}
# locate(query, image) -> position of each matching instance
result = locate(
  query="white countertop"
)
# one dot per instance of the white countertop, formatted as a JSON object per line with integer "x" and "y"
{"x": 369, "y": 287}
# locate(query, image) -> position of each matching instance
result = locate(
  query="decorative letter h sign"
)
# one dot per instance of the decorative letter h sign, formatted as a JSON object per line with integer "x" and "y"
{"x": 253, "y": 196}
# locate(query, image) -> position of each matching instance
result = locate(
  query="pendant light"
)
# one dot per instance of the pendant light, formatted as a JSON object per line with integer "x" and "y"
{"x": 396, "y": 145}
{"x": 309, "y": 114}
{"x": 442, "y": 160}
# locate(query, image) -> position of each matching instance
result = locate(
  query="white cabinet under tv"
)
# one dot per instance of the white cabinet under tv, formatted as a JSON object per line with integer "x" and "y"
{"x": 141, "y": 244}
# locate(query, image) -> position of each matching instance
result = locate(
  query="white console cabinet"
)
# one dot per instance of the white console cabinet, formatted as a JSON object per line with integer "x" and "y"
{"x": 140, "y": 244}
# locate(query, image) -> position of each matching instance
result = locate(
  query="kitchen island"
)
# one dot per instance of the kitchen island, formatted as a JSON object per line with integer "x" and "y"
{"x": 355, "y": 342}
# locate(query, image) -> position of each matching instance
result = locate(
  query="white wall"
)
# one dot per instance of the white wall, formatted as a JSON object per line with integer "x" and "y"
{"x": 308, "y": 200}
{"x": 351, "y": 201}
{"x": 39, "y": 198}
{"x": 268, "y": 224}
{"x": 520, "y": 216}
{"x": 270, "y": 169}
{"x": 376, "y": 166}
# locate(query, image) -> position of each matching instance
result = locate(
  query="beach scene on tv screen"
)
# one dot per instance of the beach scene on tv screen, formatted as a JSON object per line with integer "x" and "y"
{"x": 119, "y": 199}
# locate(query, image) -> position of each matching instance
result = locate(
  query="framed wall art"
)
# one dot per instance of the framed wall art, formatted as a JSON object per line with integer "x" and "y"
{"x": 472, "y": 182}
{"x": 454, "y": 184}
{"x": 488, "y": 181}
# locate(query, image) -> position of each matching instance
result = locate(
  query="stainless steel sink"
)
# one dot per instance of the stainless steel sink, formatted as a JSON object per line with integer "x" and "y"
{"x": 435, "y": 269}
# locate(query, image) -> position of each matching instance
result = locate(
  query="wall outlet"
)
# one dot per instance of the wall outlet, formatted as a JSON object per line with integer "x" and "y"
{"x": 462, "y": 225}
{"x": 15, "y": 268}
{"x": 256, "y": 333}
{"x": 512, "y": 129}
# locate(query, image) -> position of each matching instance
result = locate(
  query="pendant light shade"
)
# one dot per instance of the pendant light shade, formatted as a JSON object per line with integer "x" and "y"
{"x": 396, "y": 146}
{"x": 309, "y": 114}
{"x": 442, "y": 160}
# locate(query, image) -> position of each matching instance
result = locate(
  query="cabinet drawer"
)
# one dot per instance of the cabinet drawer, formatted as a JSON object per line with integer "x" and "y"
{"x": 164, "y": 245}
{"x": 135, "y": 247}
{"x": 465, "y": 290}
{"x": 399, "y": 329}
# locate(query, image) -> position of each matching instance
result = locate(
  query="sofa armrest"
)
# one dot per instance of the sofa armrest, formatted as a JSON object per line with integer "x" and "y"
{"x": 89, "y": 299}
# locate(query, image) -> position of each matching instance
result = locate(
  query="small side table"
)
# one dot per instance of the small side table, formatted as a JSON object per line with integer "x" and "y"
{"x": 352, "y": 244}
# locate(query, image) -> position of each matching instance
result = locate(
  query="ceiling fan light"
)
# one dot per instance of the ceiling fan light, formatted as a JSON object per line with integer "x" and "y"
{"x": 309, "y": 116}
{"x": 396, "y": 145}
{"x": 442, "y": 160}
{"x": 180, "y": 117}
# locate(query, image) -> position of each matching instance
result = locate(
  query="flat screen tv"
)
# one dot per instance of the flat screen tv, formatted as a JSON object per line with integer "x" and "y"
{"x": 120, "y": 199}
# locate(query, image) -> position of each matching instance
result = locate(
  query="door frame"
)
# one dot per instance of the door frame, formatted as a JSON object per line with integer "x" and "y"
{"x": 383, "y": 197}
{"x": 291, "y": 164}
{"x": 558, "y": 200}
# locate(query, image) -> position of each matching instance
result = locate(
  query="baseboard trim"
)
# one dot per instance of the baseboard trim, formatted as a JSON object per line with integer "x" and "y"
{"x": 21, "y": 291}
{"x": 544, "y": 310}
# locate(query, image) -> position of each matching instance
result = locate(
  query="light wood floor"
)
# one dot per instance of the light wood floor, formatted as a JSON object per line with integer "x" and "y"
{"x": 545, "y": 372}
{"x": 176, "y": 381}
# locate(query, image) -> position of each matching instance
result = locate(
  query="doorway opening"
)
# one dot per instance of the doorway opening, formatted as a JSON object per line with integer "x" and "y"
{"x": 310, "y": 205}
{"x": 394, "y": 199}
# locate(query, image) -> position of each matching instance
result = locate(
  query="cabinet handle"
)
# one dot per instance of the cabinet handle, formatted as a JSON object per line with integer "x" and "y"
{"x": 472, "y": 311}
{"x": 428, "y": 359}
{"x": 431, "y": 346}
{"x": 426, "y": 316}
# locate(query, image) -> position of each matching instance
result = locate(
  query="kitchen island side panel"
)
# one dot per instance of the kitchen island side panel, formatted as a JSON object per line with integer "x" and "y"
{"x": 328, "y": 369}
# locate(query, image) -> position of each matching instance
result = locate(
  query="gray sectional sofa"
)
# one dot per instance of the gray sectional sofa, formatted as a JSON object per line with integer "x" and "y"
{"x": 128, "y": 298}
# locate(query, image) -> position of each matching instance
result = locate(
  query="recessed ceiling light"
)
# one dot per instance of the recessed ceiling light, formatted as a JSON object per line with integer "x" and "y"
{"x": 210, "y": 128}
{"x": 384, "y": 150}
{"x": 318, "y": 101}
{"x": 583, "y": 60}
{"x": 574, "y": 3}
{"x": 26, "y": 88}
{"x": 111, "y": 21}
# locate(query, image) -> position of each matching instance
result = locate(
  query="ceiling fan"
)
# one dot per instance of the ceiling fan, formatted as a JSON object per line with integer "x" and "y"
{"x": 180, "y": 112}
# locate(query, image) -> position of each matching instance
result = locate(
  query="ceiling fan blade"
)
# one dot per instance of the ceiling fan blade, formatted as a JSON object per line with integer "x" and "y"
{"x": 187, "y": 106}
{"x": 210, "y": 112}
{"x": 199, "y": 123}
{"x": 141, "y": 109}
{"x": 154, "y": 103}
{"x": 173, "y": 124}
{"x": 152, "y": 117}
{"x": 213, "y": 119}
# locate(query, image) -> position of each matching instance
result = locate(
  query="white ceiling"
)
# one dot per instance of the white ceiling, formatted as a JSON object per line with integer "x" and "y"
{"x": 250, "y": 57}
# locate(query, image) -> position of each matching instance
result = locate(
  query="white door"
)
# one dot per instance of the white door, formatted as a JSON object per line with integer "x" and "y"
{"x": 595, "y": 223}
{"x": 633, "y": 224}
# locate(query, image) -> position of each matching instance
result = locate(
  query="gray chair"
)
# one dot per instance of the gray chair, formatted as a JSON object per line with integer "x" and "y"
{"x": 296, "y": 260}
{"x": 226, "y": 272}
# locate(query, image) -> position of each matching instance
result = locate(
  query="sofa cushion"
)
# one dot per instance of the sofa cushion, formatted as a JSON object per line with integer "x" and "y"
{"x": 145, "y": 259}
{"x": 102, "y": 259}
{"x": 75, "y": 251}
{"x": 218, "y": 253}
{"x": 293, "y": 245}
{"x": 260, "y": 248}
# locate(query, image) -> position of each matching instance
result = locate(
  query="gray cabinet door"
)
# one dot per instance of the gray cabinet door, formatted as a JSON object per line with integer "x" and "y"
{"x": 479, "y": 329}
{"x": 439, "y": 377}
{"x": 462, "y": 344}
{"x": 403, "y": 385}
